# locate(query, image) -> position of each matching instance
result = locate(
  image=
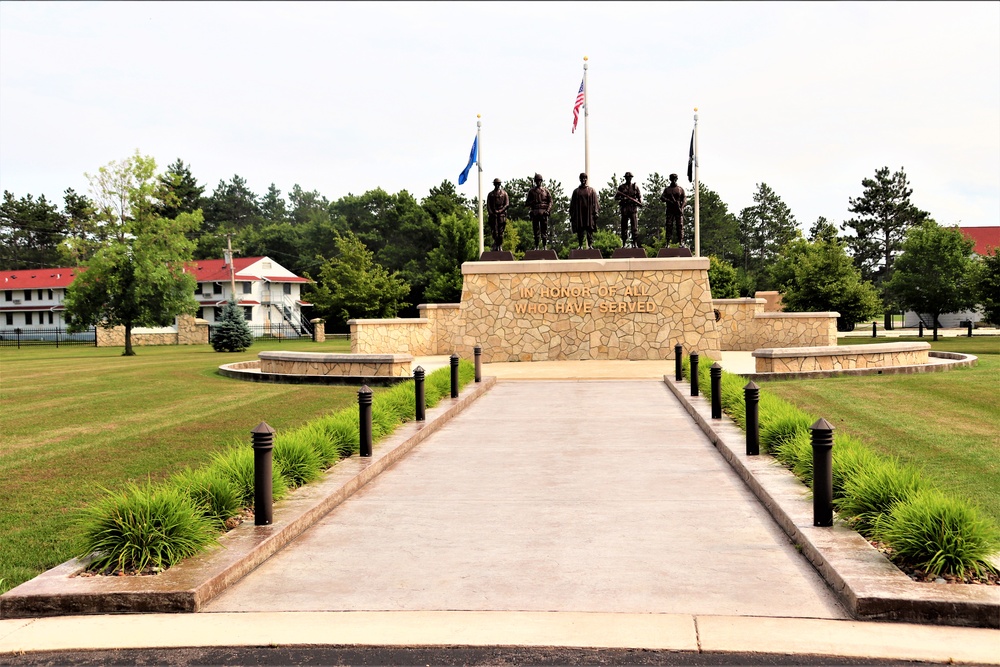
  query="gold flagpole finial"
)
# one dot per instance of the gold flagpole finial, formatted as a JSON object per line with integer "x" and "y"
{"x": 585, "y": 57}
{"x": 479, "y": 115}
{"x": 696, "y": 108}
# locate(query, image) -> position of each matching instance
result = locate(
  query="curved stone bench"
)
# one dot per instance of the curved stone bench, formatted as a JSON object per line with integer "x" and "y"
{"x": 322, "y": 368}
{"x": 839, "y": 357}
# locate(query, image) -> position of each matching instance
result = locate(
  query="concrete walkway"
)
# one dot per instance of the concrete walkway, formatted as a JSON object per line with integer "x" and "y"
{"x": 591, "y": 515}
{"x": 549, "y": 496}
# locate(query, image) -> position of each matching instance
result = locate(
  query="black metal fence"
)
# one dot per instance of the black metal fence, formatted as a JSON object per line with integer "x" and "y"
{"x": 53, "y": 336}
{"x": 272, "y": 331}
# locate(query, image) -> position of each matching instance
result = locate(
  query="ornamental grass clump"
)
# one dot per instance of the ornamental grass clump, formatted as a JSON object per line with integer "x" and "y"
{"x": 143, "y": 528}
{"x": 342, "y": 430}
{"x": 322, "y": 444}
{"x": 236, "y": 465}
{"x": 941, "y": 535}
{"x": 876, "y": 487}
{"x": 779, "y": 425}
{"x": 296, "y": 458}
{"x": 849, "y": 456}
{"x": 216, "y": 498}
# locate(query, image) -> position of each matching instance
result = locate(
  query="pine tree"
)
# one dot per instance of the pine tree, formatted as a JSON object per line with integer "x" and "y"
{"x": 232, "y": 334}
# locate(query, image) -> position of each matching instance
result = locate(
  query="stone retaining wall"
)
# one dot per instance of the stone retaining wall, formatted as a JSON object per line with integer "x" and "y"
{"x": 319, "y": 363}
{"x": 586, "y": 309}
{"x": 745, "y": 325}
{"x": 839, "y": 357}
{"x": 403, "y": 335}
{"x": 442, "y": 319}
{"x": 187, "y": 330}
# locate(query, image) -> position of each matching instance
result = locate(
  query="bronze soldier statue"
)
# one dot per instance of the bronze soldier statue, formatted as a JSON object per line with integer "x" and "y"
{"x": 539, "y": 208}
{"x": 583, "y": 210}
{"x": 629, "y": 201}
{"x": 497, "y": 203}
{"x": 675, "y": 198}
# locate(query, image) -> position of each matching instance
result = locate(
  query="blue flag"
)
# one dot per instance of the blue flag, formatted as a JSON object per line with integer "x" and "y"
{"x": 473, "y": 157}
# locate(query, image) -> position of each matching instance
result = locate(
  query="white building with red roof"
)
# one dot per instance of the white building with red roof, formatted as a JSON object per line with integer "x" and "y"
{"x": 270, "y": 294}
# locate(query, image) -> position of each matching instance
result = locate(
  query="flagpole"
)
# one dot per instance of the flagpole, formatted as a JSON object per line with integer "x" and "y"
{"x": 586, "y": 125}
{"x": 697, "y": 229}
{"x": 479, "y": 166}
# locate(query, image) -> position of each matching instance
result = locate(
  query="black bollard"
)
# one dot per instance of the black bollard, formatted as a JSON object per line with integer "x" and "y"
{"x": 419, "y": 393}
{"x": 920, "y": 329}
{"x": 694, "y": 373}
{"x": 263, "y": 442}
{"x": 715, "y": 372}
{"x": 365, "y": 421}
{"x": 478, "y": 352}
{"x": 751, "y": 396}
{"x": 822, "y": 444}
{"x": 454, "y": 376}
{"x": 873, "y": 330}
{"x": 969, "y": 334}
{"x": 678, "y": 351}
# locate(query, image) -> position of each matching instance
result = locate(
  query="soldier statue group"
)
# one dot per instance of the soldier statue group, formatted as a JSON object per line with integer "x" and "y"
{"x": 583, "y": 210}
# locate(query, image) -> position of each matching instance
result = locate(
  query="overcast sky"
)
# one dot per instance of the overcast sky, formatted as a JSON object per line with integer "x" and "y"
{"x": 344, "y": 97}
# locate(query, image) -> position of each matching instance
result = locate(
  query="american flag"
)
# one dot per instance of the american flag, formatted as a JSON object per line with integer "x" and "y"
{"x": 576, "y": 107}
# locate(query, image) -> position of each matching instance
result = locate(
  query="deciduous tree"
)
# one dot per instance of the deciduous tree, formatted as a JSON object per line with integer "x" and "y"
{"x": 352, "y": 285}
{"x": 935, "y": 272}
{"x": 458, "y": 242}
{"x": 988, "y": 292}
{"x": 818, "y": 276}
{"x": 136, "y": 278}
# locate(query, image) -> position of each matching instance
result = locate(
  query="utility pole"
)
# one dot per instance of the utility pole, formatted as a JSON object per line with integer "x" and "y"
{"x": 229, "y": 261}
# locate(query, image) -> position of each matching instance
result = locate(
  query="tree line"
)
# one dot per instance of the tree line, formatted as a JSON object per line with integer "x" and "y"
{"x": 379, "y": 254}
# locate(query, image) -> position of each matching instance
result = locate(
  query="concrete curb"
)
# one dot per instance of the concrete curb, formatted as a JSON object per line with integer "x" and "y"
{"x": 870, "y": 587}
{"x": 189, "y": 585}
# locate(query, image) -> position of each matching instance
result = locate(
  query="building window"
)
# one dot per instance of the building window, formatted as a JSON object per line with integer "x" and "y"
{"x": 40, "y": 297}
{"x": 8, "y": 295}
{"x": 197, "y": 288}
{"x": 248, "y": 288}
{"x": 27, "y": 295}
{"x": 50, "y": 317}
{"x": 217, "y": 314}
{"x": 216, "y": 288}
{"x": 27, "y": 319}
{"x": 200, "y": 314}
{"x": 287, "y": 288}
{"x": 265, "y": 265}
{"x": 10, "y": 319}
{"x": 248, "y": 313}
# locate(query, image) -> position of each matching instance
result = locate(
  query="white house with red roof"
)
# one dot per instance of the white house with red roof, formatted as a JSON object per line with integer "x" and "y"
{"x": 269, "y": 293}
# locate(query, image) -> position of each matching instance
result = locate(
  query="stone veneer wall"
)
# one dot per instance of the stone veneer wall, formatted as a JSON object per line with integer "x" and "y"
{"x": 403, "y": 335}
{"x": 319, "y": 363}
{"x": 189, "y": 331}
{"x": 586, "y": 309}
{"x": 772, "y": 301}
{"x": 319, "y": 330}
{"x": 442, "y": 318}
{"x": 839, "y": 357}
{"x": 745, "y": 325}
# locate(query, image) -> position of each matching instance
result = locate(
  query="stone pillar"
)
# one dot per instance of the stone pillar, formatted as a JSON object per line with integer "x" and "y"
{"x": 319, "y": 330}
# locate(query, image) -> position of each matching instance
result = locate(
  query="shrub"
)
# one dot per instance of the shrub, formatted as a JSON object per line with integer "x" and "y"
{"x": 870, "y": 494}
{"x": 295, "y": 456}
{"x": 321, "y": 442}
{"x": 232, "y": 334}
{"x": 236, "y": 465}
{"x": 780, "y": 424}
{"x": 941, "y": 535}
{"x": 799, "y": 452}
{"x": 400, "y": 400}
{"x": 212, "y": 493}
{"x": 143, "y": 526}
{"x": 342, "y": 429}
{"x": 849, "y": 456}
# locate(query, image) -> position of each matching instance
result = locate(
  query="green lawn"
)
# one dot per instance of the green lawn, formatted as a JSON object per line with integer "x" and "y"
{"x": 76, "y": 419}
{"x": 947, "y": 423}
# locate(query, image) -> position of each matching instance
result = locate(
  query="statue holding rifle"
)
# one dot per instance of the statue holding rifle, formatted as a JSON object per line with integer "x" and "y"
{"x": 629, "y": 202}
